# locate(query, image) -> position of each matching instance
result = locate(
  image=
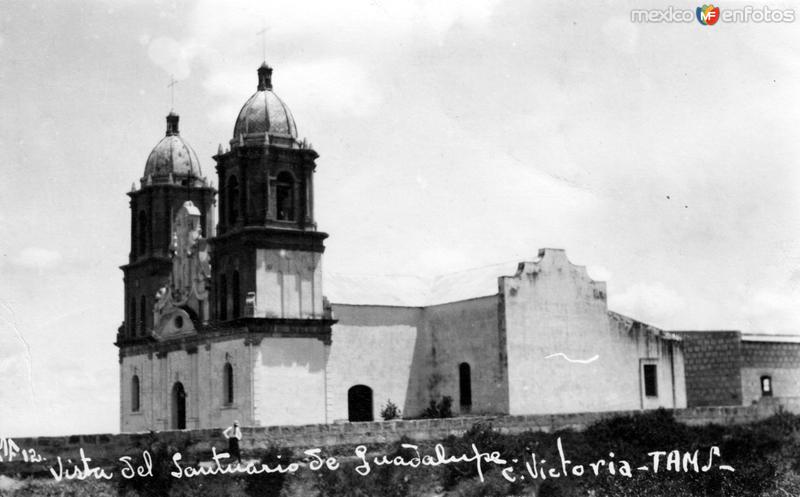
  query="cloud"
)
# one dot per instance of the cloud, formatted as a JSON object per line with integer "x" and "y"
{"x": 365, "y": 25}
{"x": 16, "y": 391}
{"x": 651, "y": 302}
{"x": 599, "y": 273}
{"x": 172, "y": 56}
{"x": 37, "y": 258}
{"x": 334, "y": 87}
{"x": 622, "y": 34}
{"x": 16, "y": 386}
{"x": 771, "y": 310}
{"x": 439, "y": 259}
{"x": 442, "y": 15}
{"x": 318, "y": 82}
{"x": 227, "y": 84}
{"x": 12, "y": 340}
{"x": 375, "y": 18}
{"x": 225, "y": 114}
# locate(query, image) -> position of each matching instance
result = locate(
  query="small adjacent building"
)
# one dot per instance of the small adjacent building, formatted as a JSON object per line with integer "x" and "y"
{"x": 729, "y": 368}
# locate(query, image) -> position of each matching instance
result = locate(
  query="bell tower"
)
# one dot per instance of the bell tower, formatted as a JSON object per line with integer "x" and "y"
{"x": 172, "y": 176}
{"x": 227, "y": 325}
{"x": 267, "y": 253}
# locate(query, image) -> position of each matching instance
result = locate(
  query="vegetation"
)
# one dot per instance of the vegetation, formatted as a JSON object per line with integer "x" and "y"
{"x": 390, "y": 411}
{"x": 441, "y": 409}
{"x": 765, "y": 456}
{"x": 388, "y": 481}
{"x": 50, "y": 488}
{"x": 160, "y": 483}
{"x": 268, "y": 484}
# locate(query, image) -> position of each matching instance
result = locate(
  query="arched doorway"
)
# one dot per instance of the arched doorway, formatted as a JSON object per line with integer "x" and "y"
{"x": 359, "y": 403}
{"x": 178, "y": 406}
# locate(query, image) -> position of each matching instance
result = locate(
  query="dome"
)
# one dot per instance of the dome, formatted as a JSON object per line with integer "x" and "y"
{"x": 264, "y": 112}
{"x": 172, "y": 155}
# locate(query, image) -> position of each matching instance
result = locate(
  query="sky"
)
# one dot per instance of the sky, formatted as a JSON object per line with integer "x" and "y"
{"x": 451, "y": 134}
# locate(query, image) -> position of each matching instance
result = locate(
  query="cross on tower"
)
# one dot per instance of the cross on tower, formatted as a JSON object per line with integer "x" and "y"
{"x": 263, "y": 34}
{"x": 171, "y": 86}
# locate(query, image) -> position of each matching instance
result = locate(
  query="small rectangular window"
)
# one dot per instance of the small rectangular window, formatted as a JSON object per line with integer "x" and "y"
{"x": 766, "y": 386}
{"x": 650, "y": 380}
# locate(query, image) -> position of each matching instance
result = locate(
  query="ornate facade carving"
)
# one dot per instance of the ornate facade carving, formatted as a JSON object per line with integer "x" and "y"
{"x": 185, "y": 298}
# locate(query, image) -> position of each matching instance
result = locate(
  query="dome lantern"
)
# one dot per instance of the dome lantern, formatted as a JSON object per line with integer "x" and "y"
{"x": 264, "y": 77}
{"x": 172, "y": 123}
{"x": 172, "y": 158}
{"x": 264, "y": 118}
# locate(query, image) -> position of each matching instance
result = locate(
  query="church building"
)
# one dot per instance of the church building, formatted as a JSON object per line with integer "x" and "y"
{"x": 228, "y": 316}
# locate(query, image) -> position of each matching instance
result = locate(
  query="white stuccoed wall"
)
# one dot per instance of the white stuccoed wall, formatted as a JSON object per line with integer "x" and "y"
{"x": 201, "y": 373}
{"x": 411, "y": 356}
{"x": 468, "y": 331}
{"x": 289, "y": 381}
{"x": 380, "y": 347}
{"x": 552, "y": 306}
{"x": 288, "y": 284}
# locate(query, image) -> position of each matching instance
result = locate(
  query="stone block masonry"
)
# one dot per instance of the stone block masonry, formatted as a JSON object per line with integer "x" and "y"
{"x": 713, "y": 362}
{"x": 106, "y": 449}
{"x": 770, "y": 354}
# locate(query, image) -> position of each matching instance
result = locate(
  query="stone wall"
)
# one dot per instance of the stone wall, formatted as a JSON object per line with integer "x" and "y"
{"x": 770, "y": 354}
{"x": 713, "y": 367}
{"x": 780, "y": 361}
{"x": 106, "y": 449}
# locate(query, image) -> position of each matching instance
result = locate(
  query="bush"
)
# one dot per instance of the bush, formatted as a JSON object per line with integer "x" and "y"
{"x": 161, "y": 482}
{"x": 218, "y": 486}
{"x": 441, "y": 409}
{"x": 390, "y": 411}
{"x": 385, "y": 481}
{"x": 51, "y": 488}
{"x": 269, "y": 484}
{"x": 484, "y": 437}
